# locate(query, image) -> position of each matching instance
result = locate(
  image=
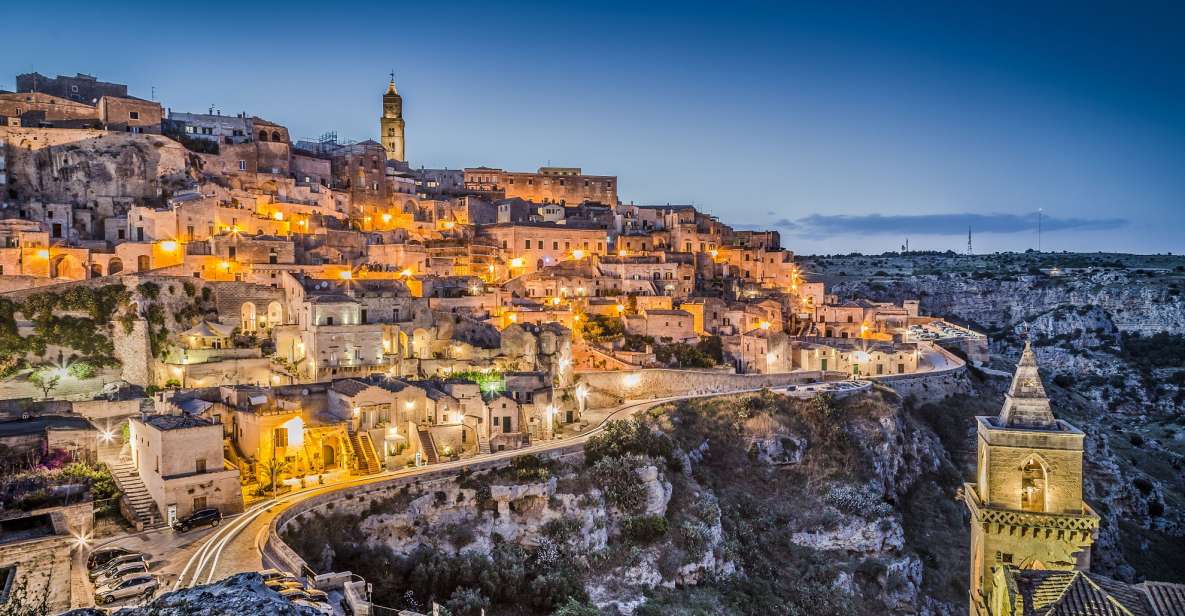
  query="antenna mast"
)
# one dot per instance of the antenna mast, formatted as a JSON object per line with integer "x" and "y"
{"x": 969, "y": 240}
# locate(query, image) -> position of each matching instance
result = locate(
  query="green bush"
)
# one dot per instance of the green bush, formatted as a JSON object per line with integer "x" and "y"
{"x": 81, "y": 370}
{"x": 626, "y": 437}
{"x": 644, "y": 528}
{"x": 619, "y": 483}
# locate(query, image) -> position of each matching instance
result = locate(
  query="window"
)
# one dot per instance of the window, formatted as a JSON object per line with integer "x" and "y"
{"x": 200, "y": 465}
{"x": 528, "y": 245}
{"x": 280, "y": 437}
{"x": 242, "y": 165}
{"x": 900, "y": 368}
{"x": 555, "y": 245}
{"x": 134, "y": 115}
{"x": 329, "y": 320}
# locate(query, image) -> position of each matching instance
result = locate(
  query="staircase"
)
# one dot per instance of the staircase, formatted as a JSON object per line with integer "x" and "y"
{"x": 143, "y": 508}
{"x": 483, "y": 443}
{"x": 366, "y": 459}
{"x": 428, "y": 446}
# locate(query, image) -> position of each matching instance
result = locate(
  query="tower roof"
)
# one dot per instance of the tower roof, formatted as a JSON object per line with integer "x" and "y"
{"x": 391, "y": 86}
{"x": 1026, "y": 405}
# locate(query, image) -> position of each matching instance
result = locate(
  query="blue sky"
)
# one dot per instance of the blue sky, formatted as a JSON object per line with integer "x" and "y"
{"x": 847, "y": 128}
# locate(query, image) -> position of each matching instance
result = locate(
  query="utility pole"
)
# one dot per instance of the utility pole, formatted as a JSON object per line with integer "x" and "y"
{"x": 1039, "y": 211}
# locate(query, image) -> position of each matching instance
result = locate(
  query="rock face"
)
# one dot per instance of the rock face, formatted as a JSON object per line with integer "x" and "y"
{"x": 90, "y": 167}
{"x": 241, "y": 594}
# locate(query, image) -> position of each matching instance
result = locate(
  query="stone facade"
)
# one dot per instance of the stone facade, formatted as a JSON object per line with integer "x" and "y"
{"x": 1026, "y": 503}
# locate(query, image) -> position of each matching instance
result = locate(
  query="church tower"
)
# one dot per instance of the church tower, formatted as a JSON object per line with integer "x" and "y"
{"x": 391, "y": 123}
{"x": 1026, "y": 503}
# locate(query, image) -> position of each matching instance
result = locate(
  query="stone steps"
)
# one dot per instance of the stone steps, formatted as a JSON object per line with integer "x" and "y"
{"x": 136, "y": 495}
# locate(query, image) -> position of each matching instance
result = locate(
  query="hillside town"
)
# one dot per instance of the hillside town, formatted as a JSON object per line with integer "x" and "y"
{"x": 211, "y": 328}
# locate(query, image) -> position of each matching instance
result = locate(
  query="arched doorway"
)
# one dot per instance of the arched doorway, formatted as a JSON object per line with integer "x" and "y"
{"x": 275, "y": 314}
{"x": 328, "y": 456}
{"x": 114, "y": 266}
{"x": 247, "y": 317}
{"x": 96, "y": 270}
{"x": 1032, "y": 486}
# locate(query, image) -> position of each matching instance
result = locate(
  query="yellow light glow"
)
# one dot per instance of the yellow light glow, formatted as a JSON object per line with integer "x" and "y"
{"x": 516, "y": 262}
{"x": 224, "y": 265}
{"x": 295, "y": 427}
{"x": 345, "y": 274}
{"x": 386, "y": 218}
{"x": 623, "y": 253}
{"x": 448, "y": 224}
{"x": 406, "y": 272}
{"x": 168, "y": 246}
{"x": 714, "y": 253}
{"x": 620, "y": 308}
{"x": 43, "y": 254}
{"x": 234, "y": 229}
{"x": 631, "y": 380}
{"x": 409, "y": 405}
{"x": 513, "y": 318}
{"x": 577, "y": 254}
{"x": 764, "y": 325}
{"x": 576, "y": 318}
{"x": 278, "y": 215}
{"x": 304, "y": 223}
{"x": 555, "y": 301}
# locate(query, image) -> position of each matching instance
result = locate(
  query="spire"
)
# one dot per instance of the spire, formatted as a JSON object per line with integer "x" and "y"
{"x": 1026, "y": 405}
{"x": 391, "y": 85}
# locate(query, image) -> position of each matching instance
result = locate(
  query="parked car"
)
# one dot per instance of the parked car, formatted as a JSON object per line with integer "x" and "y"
{"x": 116, "y": 563}
{"x": 131, "y": 586}
{"x": 102, "y": 556}
{"x": 120, "y": 572}
{"x": 278, "y": 584}
{"x": 306, "y": 594}
{"x": 270, "y": 574}
{"x": 202, "y": 517}
{"x": 321, "y": 607}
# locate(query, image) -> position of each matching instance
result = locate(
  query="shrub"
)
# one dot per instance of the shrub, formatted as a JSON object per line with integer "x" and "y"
{"x": 857, "y": 501}
{"x": 619, "y": 483}
{"x": 467, "y": 602}
{"x": 644, "y": 528}
{"x": 630, "y": 437}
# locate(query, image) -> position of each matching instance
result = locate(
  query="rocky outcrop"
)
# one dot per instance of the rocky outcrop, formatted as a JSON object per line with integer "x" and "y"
{"x": 240, "y": 594}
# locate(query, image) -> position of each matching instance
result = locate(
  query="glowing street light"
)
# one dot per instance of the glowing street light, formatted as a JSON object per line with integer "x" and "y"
{"x": 620, "y": 308}
{"x": 516, "y": 262}
{"x": 43, "y": 253}
{"x": 345, "y": 274}
{"x": 278, "y": 215}
{"x": 168, "y": 246}
{"x": 578, "y": 254}
{"x": 386, "y": 218}
{"x": 764, "y": 325}
{"x": 406, "y": 273}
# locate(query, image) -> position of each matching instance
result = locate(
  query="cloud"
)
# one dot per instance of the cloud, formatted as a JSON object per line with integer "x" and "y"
{"x": 818, "y": 225}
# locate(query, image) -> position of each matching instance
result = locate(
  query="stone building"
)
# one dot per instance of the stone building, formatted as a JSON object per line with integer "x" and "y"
{"x": 1026, "y": 502}
{"x": 81, "y": 87}
{"x": 391, "y": 124}
{"x": 567, "y": 186}
{"x": 179, "y": 459}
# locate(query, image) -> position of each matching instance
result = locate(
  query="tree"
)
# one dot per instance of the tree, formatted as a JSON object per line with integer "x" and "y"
{"x": 576, "y": 608}
{"x": 274, "y": 468}
{"x": 44, "y": 381}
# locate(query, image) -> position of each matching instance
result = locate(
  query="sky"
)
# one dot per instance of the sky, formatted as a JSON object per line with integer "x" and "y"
{"x": 845, "y": 126}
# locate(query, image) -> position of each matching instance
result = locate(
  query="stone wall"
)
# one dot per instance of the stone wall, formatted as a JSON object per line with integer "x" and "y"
{"x": 659, "y": 383}
{"x": 134, "y": 352}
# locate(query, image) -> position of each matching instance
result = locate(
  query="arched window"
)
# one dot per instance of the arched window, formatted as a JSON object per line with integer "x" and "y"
{"x": 247, "y": 316}
{"x": 263, "y": 135}
{"x": 275, "y": 314}
{"x": 1032, "y": 486}
{"x": 114, "y": 266}
{"x": 275, "y": 136}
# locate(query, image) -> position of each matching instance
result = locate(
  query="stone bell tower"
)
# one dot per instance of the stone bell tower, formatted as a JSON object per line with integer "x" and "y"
{"x": 391, "y": 123}
{"x": 1026, "y": 503}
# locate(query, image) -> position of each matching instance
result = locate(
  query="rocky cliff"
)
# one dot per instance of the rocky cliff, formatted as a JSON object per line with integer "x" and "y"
{"x": 1108, "y": 332}
{"x": 740, "y": 505}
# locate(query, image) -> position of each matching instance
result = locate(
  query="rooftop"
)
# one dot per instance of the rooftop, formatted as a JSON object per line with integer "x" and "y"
{"x": 174, "y": 422}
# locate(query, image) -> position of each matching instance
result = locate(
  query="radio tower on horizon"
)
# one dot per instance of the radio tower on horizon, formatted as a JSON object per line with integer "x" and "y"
{"x": 969, "y": 240}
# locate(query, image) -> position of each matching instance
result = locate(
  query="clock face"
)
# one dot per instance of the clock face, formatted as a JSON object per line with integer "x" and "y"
{"x": 1030, "y": 383}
